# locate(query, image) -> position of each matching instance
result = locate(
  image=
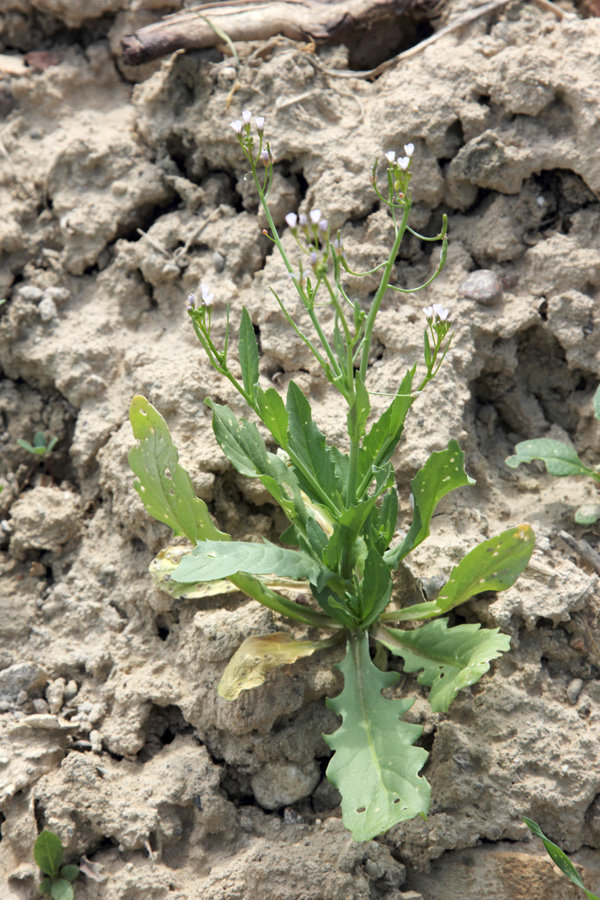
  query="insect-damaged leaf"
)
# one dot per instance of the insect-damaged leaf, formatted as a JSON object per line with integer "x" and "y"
{"x": 251, "y": 663}
{"x": 164, "y": 486}
{"x": 559, "y": 458}
{"x": 374, "y": 766}
{"x": 451, "y": 658}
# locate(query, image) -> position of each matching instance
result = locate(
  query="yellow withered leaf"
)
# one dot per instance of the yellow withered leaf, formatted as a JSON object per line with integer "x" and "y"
{"x": 251, "y": 663}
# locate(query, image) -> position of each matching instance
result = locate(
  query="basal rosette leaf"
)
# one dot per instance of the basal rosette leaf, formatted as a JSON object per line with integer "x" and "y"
{"x": 48, "y": 852}
{"x": 165, "y": 563}
{"x": 258, "y": 655}
{"x": 164, "y": 486}
{"x": 559, "y": 458}
{"x": 375, "y": 765}
{"x": 451, "y": 658}
{"x": 208, "y": 562}
{"x": 494, "y": 565}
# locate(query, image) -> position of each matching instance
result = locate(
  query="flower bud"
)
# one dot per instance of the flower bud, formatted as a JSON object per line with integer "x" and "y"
{"x": 323, "y": 225}
{"x": 291, "y": 219}
{"x": 303, "y": 220}
{"x": 260, "y": 123}
{"x": 265, "y": 158}
{"x": 246, "y": 116}
{"x": 191, "y": 301}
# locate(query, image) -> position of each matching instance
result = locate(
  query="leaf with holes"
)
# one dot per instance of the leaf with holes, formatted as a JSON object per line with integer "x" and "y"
{"x": 254, "y": 659}
{"x": 451, "y": 658}
{"x": 164, "y": 486}
{"x": 443, "y": 472}
{"x": 559, "y": 458}
{"x": 493, "y": 565}
{"x": 375, "y": 766}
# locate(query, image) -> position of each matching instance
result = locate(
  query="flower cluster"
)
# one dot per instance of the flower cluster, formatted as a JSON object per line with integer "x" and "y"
{"x": 312, "y": 220}
{"x": 402, "y": 162}
{"x": 437, "y": 312}
{"x": 243, "y": 124}
{"x": 205, "y": 301}
{"x": 243, "y": 130}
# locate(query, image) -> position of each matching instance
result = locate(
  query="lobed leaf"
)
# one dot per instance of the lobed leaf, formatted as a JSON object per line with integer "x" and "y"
{"x": 559, "y": 458}
{"x": 375, "y": 765}
{"x": 48, "y": 853}
{"x": 254, "y": 659}
{"x": 443, "y": 472}
{"x": 212, "y": 560}
{"x": 559, "y": 858}
{"x": 164, "y": 486}
{"x": 451, "y": 658}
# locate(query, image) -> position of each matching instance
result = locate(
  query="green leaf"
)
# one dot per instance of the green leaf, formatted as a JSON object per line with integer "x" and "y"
{"x": 493, "y": 565}
{"x": 451, "y": 658}
{"x": 163, "y": 566}
{"x": 248, "y": 352}
{"x": 346, "y": 530}
{"x": 374, "y": 766}
{"x": 274, "y": 414}
{"x": 164, "y": 486}
{"x": 45, "y": 886}
{"x": 69, "y": 873}
{"x": 311, "y": 456}
{"x": 559, "y": 458}
{"x": 39, "y": 441}
{"x": 51, "y": 445}
{"x": 48, "y": 853}
{"x": 212, "y": 560}
{"x": 27, "y": 446}
{"x": 559, "y": 858}
{"x": 376, "y": 588}
{"x": 383, "y": 438}
{"x": 588, "y": 514}
{"x": 254, "y": 659}
{"x": 241, "y": 442}
{"x": 61, "y": 890}
{"x": 443, "y": 472}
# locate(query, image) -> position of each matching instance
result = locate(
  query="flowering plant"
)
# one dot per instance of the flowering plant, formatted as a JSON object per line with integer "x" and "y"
{"x": 341, "y": 545}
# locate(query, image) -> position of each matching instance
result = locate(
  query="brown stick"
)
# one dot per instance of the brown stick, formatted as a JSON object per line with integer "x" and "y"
{"x": 251, "y": 20}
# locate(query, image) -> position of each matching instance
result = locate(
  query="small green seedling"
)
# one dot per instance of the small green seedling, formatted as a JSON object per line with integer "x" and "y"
{"x": 561, "y": 460}
{"x": 48, "y": 854}
{"x": 559, "y": 858}
{"x": 342, "y": 507}
{"x": 39, "y": 446}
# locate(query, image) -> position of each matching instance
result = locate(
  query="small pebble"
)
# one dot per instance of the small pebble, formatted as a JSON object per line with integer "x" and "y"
{"x": 58, "y": 294}
{"x": 483, "y": 286}
{"x": 373, "y": 869}
{"x": 47, "y": 310}
{"x": 40, "y": 705}
{"x": 218, "y": 261}
{"x": 71, "y": 690}
{"x": 30, "y": 292}
{"x": 96, "y": 741}
{"x": 55, "y": 694}
{"x": 36, "y": 134}
{"x": 574, "y": 689}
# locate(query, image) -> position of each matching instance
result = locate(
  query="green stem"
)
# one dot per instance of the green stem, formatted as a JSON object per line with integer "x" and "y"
{"x": 387, "y": 274}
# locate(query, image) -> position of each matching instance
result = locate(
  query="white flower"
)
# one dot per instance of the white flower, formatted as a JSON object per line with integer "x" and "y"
{"x": 260, "y": 123}
{"x": 315, "y": 215}
{"x": 291, "y": 219}
{"x": 191, "y": 300}
{"x": 323, "y": 225}
{"x": 246, "y": 116}
{"x": 403, "y": 163}
{"x": 265, "y": 156}
{"x": 409, "y": 149}
{"x": 237, "y": 126}
{"x": 436, "y": 312}
{"x": 207, "y": 297}
{"x": 313, "y": 257}
{"x": 303, "y": 220}
{"x": 441, "y": 313}
{"x": 390, "y": 156}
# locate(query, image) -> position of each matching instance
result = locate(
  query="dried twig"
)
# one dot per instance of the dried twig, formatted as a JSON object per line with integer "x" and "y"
{"x": 582, "y": 549}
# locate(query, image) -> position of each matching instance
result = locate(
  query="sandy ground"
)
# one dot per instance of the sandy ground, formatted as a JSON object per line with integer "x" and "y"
{"x": 117, "y": 198}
